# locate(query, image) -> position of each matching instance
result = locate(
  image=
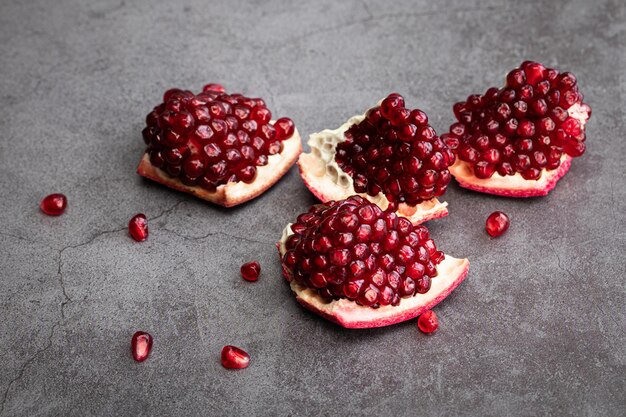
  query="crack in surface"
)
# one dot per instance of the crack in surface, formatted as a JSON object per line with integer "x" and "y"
{"x": 67, "y": 298}
{"x": 22, "y": 369}
{"x": 216, "y": 233}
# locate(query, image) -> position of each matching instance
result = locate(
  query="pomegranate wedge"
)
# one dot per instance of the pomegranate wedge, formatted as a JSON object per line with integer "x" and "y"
{"x": 359, "y": 266}
{"x": 220, "y": 147}
{"x": 390, "y": 155}
{"x": 519, "y": 140}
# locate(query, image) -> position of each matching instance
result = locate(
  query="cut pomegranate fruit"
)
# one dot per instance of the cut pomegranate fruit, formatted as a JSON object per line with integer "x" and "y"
{"x": 519, "y": 140}
{"x": 220, "y": 147}
{"x": 138, "y": 227}
{"x": 428, "y": 322}
{"x": 234, "y": 358}
{"x": 141, "y": 345}
{"x": 497, "y": 223}
{"x": 250, "y": 271}
{"x": 359, "y": 266}
{"x": 54, "y": 204}
{"x": 390, "y": 155}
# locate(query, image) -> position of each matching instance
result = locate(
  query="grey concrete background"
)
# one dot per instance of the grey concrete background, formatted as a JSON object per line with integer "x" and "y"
{"x": 538, "y": 328}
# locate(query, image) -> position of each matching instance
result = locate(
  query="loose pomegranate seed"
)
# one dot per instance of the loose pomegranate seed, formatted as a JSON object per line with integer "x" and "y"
{"x": 53, "y": 204}
{"x": 515, "y": 129}
{"x": 395, "y": 151}
{"x": 141, "y": 345}
{"x": 212, "y": 138}
{"x": 234, "y": 358}
{"x": 497, "y": 223}
{"x": 138, "y": 227}
{"x": 250, "y": 271}
{"x": 352, "y": 249}
{"x": 428, "y": 322}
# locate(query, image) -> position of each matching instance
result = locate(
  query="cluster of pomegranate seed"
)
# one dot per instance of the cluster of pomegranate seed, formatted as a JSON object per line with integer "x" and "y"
{"x": 53, "y": 204}
{"x": 522, "y": 128}
{"x": 141, "y": 345}
{"x": 497, "y": 223}
{"x": 395, "y": 151}
{"x": 234, "y": 358}
{"x": 250, "y": 271}
{"x": 428, "y": 322}
{"x": 352, "y": 249}
{"x": 213, "y": 138}
{"x": 138, "y": 227}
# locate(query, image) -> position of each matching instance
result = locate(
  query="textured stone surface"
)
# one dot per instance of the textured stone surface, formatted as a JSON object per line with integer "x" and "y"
{"x": 538, "y": 328}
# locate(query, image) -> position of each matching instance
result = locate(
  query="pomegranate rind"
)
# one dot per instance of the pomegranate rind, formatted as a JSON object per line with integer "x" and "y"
{"x": 515, "y": 185}
{"x": 233, "y": 193}
{"x": 314, "y": 172}
{"x": 451, "y": 272}
{"x": 510, "y": 185}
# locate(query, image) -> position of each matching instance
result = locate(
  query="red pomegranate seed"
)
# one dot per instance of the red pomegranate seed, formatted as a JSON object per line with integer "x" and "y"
{"x": 53, "y": 204}
{"x": 497, "y": 223}
{"x": 284, "y": 128}
{"x": 250, "y": 271}
{"x": 141, "y": 345}
{"x": 428, "y": 322}
{"x": 138, "y": 227}
{"x": 234, "y": 358}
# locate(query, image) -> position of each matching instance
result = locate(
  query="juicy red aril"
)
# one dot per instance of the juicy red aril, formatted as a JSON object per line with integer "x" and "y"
{"x": 428, "y": 322}
{"x": 250, "y": 271}
{"x": 138, "y": 227}
{"x": 352, "y": 249}
{"x": 141, "y": 345}
{"x": 234, "y": 358}
{"x": 284, "y": 128}
{"x": 54, "y": 204}
{"x": 497, "y": 223}
{"x": 513, "y": 129}
{"x": 394, "y": 151}
{"x": 211, "y": 138}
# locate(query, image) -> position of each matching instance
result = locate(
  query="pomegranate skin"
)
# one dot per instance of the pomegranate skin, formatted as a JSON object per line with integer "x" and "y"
{"x": 223, "y": 148}
{"x": 428, "y": 322}
{"x": 141, "y": 345}
{"x": 497, "y": 223}
{"x": 389, "y": 155}
{"x": 519, "y": 140}
{"x": 54, "y": 204}
{"x": 138, "y": 227}
{"x": 360, "y": 267}
{"x": 234, "y": 357}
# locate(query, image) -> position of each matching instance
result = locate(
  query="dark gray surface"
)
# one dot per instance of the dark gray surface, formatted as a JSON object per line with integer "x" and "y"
{"x": 538, "y": 328}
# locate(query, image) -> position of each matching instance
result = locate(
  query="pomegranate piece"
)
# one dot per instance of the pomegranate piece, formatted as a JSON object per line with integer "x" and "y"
{"x": 138, "y": 227}
{"x": 53, "y": 204}
{"x": 234, "y": 358}
{"x": 390, "y": 155}
{"x": 250, "y": 271}
{"x": 360, "y": 266}
{"x": 220, "y": 147}
{"x": 519, "y": 140}
{"x": 497, "y": 223}
{"x": 141, "y": 345}
{"x": 428, "y": 322}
